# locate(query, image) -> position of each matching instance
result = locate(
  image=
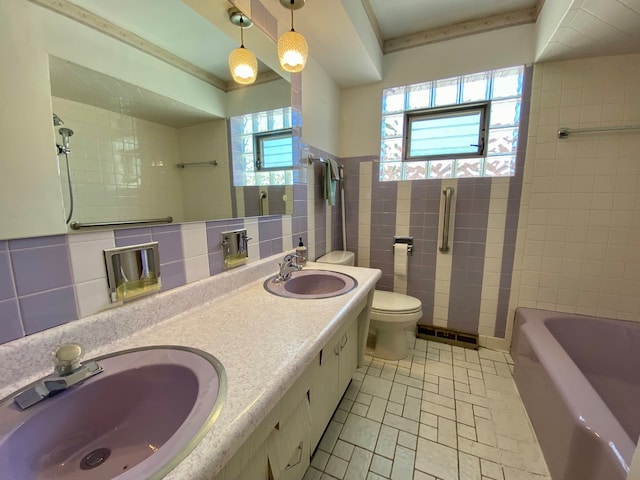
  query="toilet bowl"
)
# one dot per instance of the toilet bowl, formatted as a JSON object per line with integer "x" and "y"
{"x": 391, "y": 314}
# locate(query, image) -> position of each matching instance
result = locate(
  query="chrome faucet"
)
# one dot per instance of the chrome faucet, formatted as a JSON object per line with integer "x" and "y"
{"x": 287, "y": 267}
{"x": 67, "y": 372}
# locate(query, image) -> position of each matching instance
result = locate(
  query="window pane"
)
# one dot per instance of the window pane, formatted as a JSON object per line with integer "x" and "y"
{"x": 391, "y": 171}
{"x": 500, "y": 166}
{"x": 507, "y": 83}
{"x": 419, "y": 96}
{"x": 474, "y": 87}
{"x": 276, "y": 152}
{"x": 446, "y": 92}
{"x": 415, "y": 171}
{"x": 277, "y": 177}
{"x": 392, "y": 126}
{"x": 393, "y": 100}
{"x": 250, "y": 179}
{"x": 440, "y": 169}
{"x": 447, "y": 133}
{"x": 262, "y": 178}
{"x": 469, "y": 167}
{"x": 391, "y": 149}
{"x": 505, "y": 113}
{"x": 502, "y": 141}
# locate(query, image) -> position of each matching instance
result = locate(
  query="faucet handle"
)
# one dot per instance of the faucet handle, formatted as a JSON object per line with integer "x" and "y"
{"x": 66, "y": 358}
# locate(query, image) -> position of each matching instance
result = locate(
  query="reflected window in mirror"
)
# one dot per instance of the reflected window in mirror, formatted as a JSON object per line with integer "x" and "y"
{"x": 262, "y": 149}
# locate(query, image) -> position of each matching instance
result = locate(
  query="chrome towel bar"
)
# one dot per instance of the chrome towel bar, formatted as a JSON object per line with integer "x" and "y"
{"x": 197, "y": 164}
{"x": 78, "y": 225}
{"x": 565, "y": 132}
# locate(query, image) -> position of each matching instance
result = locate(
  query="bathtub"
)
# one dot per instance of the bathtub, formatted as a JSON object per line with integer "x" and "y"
{"x": 579, "y": 379}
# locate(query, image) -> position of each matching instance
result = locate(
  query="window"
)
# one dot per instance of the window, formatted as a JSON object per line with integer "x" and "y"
{"x": 465, "y": 126}
{"x": 274, "y": 150}
{"x": 262, "y": 148}
{"x": 446, "y": 132}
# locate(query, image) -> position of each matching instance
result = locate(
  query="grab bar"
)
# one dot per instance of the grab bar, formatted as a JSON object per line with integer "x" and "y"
{"x": 78, "y": 225}
{"x": 263, "y": 196}
{"x": 448, "y": 194}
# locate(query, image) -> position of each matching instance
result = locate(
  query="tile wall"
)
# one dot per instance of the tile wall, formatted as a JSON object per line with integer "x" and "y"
{"x": 122, "y": 167}
{"x": 49, "y": 281}
{"x": 466, "y": 289}
{"x": 578, "y": 247}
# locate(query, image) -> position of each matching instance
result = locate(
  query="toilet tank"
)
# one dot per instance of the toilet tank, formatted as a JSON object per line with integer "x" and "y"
{"x": 338, "y": 257}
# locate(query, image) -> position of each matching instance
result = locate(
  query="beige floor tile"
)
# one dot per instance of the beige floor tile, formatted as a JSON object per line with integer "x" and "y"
{"x": 360, "y": 431}
{"x": 437, "y": 460}
{"x": 403, "y": 463}
{"x": 387, "y": 440}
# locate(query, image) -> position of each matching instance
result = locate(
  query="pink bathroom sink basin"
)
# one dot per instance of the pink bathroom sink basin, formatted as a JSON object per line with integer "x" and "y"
{"x": 312, "y": 284}
{"x": 136, "y": 420}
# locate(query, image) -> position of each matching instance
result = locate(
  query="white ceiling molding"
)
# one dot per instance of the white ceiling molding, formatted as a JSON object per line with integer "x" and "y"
{"x": 471, "y": 27}
{"x": 102, "y": 25}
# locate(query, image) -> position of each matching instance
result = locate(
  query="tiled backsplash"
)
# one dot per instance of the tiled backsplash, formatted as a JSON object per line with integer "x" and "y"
{"x": 49, "y": 281}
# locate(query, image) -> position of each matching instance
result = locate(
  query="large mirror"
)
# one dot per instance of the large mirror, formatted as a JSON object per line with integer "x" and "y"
{"x": 142, "y": 123}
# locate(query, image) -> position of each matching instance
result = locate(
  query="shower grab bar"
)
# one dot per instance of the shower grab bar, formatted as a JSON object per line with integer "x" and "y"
{"x": 78, "y": 225}
{"x": 448, "y": 194}
{"x": 195, "y": 164}
{"x": 565, "y": 132}
{"x": 263, "y": 196}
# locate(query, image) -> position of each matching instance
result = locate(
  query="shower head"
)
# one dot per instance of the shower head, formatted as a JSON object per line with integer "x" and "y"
{"x": 66, "y": 133}
{"x": 57, "y": 120}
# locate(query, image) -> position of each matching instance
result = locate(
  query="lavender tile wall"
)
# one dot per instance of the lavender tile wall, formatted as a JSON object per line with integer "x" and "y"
{"x": 424, "y": 218}
{"x": 10, "y": 323}
{"x": 469, "y": 242}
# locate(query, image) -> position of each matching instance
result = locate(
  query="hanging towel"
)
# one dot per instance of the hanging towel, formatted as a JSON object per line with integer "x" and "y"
{"x": 331, "y": 176}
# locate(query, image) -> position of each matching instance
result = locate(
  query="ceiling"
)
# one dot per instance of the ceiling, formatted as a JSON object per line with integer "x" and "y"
{"x": 349, "y": 38}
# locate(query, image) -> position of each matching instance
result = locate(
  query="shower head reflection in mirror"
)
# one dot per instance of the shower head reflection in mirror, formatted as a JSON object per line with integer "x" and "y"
{"x": 65, "y": 149}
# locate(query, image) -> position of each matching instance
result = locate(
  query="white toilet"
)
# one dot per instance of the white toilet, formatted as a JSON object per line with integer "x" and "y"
{"x": 391, "y": 313}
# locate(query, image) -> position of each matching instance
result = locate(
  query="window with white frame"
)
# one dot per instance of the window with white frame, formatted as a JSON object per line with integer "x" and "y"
{"x": 465, "y": 126}
{"x": 261, "y": 148}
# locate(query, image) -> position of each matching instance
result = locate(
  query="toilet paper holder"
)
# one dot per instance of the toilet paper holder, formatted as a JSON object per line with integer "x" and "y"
{"x": 407, "y": 240}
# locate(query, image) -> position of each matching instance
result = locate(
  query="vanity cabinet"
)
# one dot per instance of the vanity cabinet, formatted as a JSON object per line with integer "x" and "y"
{"x": 330, "y": 376}
{"x": 281, "y": 446}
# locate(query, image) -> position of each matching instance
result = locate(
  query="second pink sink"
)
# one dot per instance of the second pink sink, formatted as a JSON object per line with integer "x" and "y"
{"x": 312, "y": 284}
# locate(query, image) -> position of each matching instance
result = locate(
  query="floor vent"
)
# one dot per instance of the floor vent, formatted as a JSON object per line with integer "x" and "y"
{"x": 446, "y": 335}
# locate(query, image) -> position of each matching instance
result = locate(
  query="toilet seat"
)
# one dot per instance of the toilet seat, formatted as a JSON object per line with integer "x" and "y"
{"x": 395, "y": 308}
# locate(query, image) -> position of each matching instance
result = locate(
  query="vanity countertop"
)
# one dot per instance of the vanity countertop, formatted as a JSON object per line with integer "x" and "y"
{"x": 265, "y": 342}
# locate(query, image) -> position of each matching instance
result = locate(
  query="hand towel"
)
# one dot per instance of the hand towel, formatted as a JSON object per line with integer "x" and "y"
{"x": 331, "y": 175}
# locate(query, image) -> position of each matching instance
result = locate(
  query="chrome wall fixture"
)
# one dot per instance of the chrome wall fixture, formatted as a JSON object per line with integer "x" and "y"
{"x": 78, "y": 225}
{"x": 565, "y": 132}
{"x": 446, "y": 222}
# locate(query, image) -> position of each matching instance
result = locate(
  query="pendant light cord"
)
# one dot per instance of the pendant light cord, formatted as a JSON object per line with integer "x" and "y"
{"x": 292, "y": 2}
{"x": 241, "y": 31}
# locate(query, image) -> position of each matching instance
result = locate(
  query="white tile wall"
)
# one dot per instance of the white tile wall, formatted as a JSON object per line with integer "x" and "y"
{"x": 578, "y": 247}
{"x": 122, "y": 168}
{"x": 194, "y": 247}
{"x": 89, "y": 271}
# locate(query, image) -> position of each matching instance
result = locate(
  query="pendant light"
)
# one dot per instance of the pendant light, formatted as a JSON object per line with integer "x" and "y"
{"x": 242, "y": 62}
{"x": 292, "y": 47}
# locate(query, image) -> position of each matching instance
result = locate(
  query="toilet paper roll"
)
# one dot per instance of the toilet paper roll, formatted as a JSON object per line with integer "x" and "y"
{"x": 400, "y": 259}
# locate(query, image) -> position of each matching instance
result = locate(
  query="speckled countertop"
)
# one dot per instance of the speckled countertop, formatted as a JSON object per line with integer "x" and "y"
{"x": 264, "y": 342}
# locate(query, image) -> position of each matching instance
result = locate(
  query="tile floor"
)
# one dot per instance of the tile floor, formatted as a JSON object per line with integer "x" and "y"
{"x": 443, "y": 413}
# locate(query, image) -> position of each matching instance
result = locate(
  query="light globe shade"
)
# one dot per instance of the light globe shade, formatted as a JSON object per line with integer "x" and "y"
{"x": 243, "y": 66}
{"x": 292, "y": 51}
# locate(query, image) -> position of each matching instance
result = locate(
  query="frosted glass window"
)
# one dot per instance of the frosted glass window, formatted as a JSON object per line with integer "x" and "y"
{"x": 262, "y": 141}
{"x": 407, "y": 135}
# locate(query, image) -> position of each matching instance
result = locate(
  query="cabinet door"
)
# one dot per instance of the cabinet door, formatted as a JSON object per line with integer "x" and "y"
{"x": 348, "y": 358}
{"x": 323, "y": 394}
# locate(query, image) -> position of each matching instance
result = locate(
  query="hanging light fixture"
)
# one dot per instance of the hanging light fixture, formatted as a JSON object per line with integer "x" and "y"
{"x": 292, "y": 47}
{"x": 242, "y": 62}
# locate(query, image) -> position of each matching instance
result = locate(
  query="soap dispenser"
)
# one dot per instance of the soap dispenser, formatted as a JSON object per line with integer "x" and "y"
{"x": 301, "y": 253}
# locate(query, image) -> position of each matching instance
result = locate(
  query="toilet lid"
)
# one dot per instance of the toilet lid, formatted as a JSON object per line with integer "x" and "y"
{"x": 395, "y": 302}
{"x": 338, "y": 257}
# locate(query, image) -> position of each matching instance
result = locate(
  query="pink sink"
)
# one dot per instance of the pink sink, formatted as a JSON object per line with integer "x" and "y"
{"x": 312, "y": 284}
{"x": 136, "y": 420}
